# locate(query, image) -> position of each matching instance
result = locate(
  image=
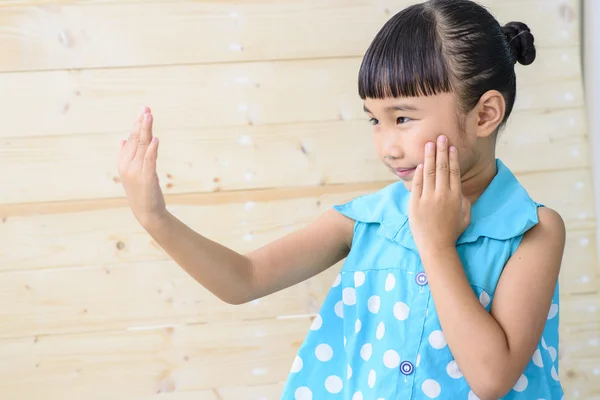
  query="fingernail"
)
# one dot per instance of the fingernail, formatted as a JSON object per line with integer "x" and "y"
{"x": 154, "y": 139}
{"x": 430, "y": 145}
{"x": 452, "y": 149}
{"x": 420, "y": 166}
{"x": 442, "y": 139}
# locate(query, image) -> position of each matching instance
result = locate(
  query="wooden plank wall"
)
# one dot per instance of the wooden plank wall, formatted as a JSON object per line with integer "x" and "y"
{"x": 261, "y": 129}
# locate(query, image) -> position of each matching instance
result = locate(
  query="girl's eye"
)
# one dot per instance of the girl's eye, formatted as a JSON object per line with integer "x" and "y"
{"x": 373, "y": 121}
{"x": 402, "y": 120}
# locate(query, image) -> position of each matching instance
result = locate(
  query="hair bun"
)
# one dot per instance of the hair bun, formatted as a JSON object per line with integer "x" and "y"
{"x": 520, "y": 40}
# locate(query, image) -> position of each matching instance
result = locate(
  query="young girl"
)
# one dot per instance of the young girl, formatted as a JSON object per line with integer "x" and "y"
{"x": 436, "y": 299}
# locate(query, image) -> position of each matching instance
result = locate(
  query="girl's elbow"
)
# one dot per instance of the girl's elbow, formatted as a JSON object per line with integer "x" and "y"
{"x": 489, "y": 390}
{"x": 492, "y": 384}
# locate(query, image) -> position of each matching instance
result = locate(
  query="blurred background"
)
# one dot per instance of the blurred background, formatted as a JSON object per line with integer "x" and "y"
{"x": 261, "y": 130}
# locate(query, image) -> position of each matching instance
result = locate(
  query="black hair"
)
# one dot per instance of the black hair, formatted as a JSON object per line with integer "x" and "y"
{"x": 443, "y": 46}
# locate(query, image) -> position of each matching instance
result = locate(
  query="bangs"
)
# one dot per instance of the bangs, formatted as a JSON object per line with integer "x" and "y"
{"x": 405, "y": 59}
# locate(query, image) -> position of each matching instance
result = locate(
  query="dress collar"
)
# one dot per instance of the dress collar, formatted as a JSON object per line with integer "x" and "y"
{"x": 503, "y": 211}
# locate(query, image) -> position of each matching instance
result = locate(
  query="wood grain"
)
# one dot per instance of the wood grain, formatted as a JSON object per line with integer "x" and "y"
{"x": 113, "y": 236}
{"x": 226, "y": 95}
{"x": 93, "y": 34}
{"x": 144, "y": 363}
{"x": 83, "y": 167}
{"x": 127, "y": 296}
{"x": 160, "y": 293}
{"x": 194, "y": 358}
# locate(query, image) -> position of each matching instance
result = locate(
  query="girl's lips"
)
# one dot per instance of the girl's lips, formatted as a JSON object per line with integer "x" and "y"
{"x": 404, "y": 172}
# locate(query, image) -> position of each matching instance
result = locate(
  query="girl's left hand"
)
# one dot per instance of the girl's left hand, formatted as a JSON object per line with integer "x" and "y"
{"x": 438, "y": 211}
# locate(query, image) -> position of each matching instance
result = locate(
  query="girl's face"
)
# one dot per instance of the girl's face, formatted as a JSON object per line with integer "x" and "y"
{"x": 402, "y": 127}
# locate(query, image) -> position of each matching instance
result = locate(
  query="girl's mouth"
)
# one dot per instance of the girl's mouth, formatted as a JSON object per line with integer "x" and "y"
{"x": 404, "y": 172}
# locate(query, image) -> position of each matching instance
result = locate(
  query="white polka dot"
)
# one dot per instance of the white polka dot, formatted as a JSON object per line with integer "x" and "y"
{"x": 473, "y": 396}
{"x": 303, "y": 393}
{"x": 553, "y": 311}
{"x": 372, "y": 378}
{"x": 484, "y": 299}
{"x": 453, "y": 370}
{"x": 391, "y": 359}
{"x": 390, "y": 282}
{"x": 338, "y": 280}
{"x": 334, "y": 384}
{"x": 339, "y": 309}
{"x": 324, "y": 352}
{"x": 317, "y": 323}
{"x": 357, "y": 326}
{"x": 418, "y": 359}
{"x": 357, "y": 396}
{"x": 537, "y": 358}
{"x": 366, "y": 351}
{"x": 544, "y": 343}
{"x": 349, "y": 296}
{"x": 344, "y": 341}
{"x": 521, "y": 384}
{"x": 437, "y": 340}
{"x": 552, "y": 352}
{"x": 359, "y": 278}
{"x": 431, "y": 388}
{"x": 349, "y": 374}
{"x": 401, "y": 311}
{"x": 374, "y": 303}
{"x": 297, "y": 365}
{"x": 380, "y": 330}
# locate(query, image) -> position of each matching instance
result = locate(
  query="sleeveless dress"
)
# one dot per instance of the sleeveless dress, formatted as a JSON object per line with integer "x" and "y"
{"x": 377, "y": 334}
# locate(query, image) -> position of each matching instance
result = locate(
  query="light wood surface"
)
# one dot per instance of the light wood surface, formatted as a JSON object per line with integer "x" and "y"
{"x": 261, "y": 131}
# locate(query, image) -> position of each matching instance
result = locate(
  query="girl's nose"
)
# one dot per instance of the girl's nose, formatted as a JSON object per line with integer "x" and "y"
{"x": 393, "y": 150}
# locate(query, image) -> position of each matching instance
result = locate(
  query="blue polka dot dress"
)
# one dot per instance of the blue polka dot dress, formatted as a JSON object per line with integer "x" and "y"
{"x": 377, "y": 335}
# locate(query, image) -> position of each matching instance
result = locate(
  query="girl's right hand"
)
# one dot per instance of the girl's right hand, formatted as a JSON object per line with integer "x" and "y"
{"x": 137, "y": 171}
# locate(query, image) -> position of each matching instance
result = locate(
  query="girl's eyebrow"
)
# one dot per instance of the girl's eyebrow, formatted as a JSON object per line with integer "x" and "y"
{"x": 396, "y": 107}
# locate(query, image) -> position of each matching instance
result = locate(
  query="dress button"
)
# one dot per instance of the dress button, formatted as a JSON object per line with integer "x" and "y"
{"x": 421, "y": 279}
{"x": 407, "y": 368}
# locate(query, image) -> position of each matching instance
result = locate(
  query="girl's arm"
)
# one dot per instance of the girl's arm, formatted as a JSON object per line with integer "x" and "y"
{"x": 233, "y": 277}
{"x": 493, "y": 349}
{"x": 237, "y": 278}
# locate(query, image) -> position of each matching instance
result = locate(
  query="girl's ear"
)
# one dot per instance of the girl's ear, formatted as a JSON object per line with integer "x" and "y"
{"x": 489, "y": 113}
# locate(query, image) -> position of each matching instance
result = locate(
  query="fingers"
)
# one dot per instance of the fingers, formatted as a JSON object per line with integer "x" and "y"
{"x": 131, "y": 146}
{"x": 145, "y": 137}
{"x": 417, "y": 183}
{"x": 455, "y": 179}
{"x": 442, "y": 178}
{"x": 429, "y": 168}
{"x": 149, "y": 166}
